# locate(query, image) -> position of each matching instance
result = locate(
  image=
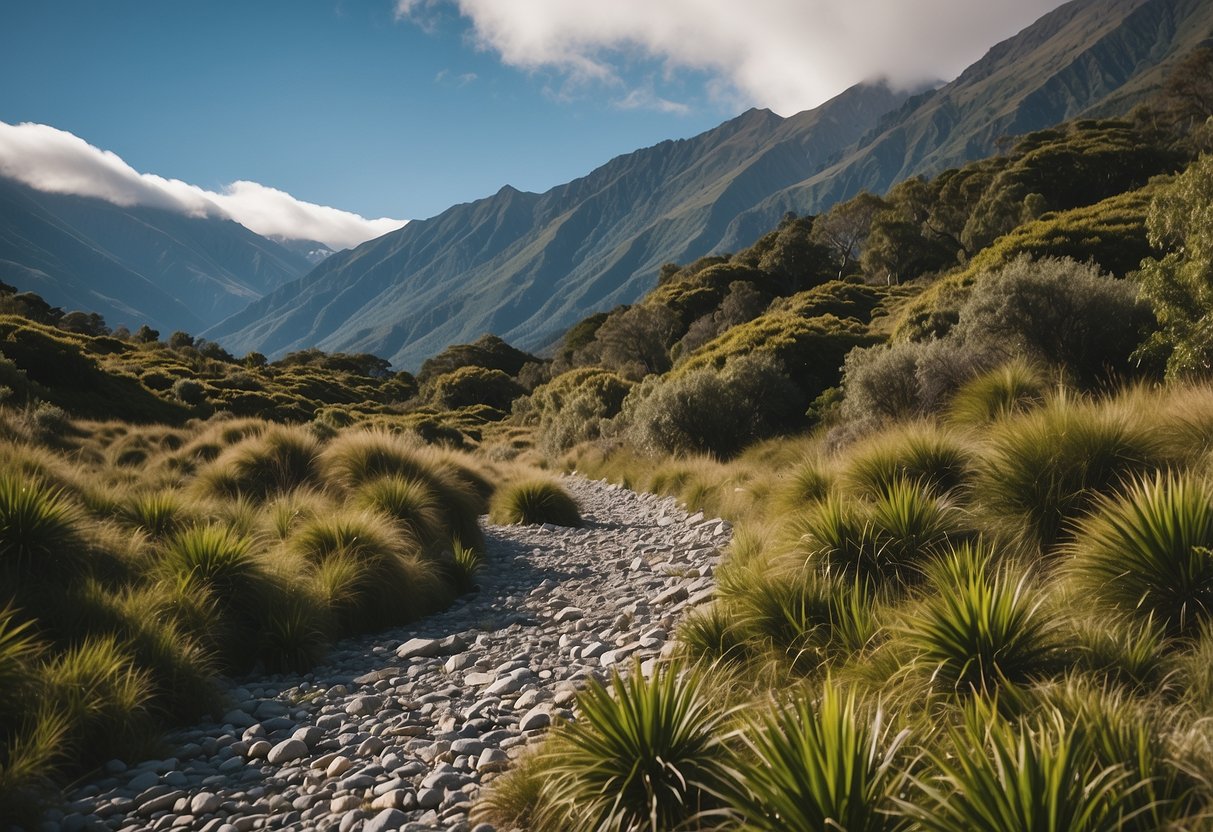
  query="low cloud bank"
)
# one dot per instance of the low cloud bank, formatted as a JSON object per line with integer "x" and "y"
{"x": 55, "y": 161}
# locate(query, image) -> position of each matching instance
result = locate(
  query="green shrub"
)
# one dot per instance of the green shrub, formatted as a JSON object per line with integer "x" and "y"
{"x": 818, "y": 765}
{"x": 979, "y": 626}
{"x": 1041, "y": 471}
{"x": 277, "y": 461}
{"x": 468, "y": 386}
{"x": 1013, "y": 388}
{"x": 997, "y": 776}
{"x": 1056, "y": 311}
{"x": 533, "y": 502}
{"x": 710, "y": 411}
{"x": 643, "y": 754}
{"x": 1149, "y": 552}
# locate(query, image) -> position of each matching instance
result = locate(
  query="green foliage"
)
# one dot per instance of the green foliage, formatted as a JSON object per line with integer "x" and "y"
{"x": 40, "y": 541}
{"x": 979, "y": 626}
{"x": 643, "y": 754}
{"x": 487, "y": 352}
{"x": 412, "y": 503}
{"x": 1149, "y": 552}
{"x": 818, "y": 765}
{"x": 1015, "y": 387}
{"x": 1000, "y": 777}
{"x": 933, "y": 460}
{"x": 887, "y": 541}
{"x": 710, "y": 411}
{"x": 276, "y": 462}
{"x": 472, "y": 385}
{"x": 1055, "y": 311}
{"x": 533, "y": 502}
{"x": 1042, "y": 471}
{"x": 1179, "y": 286}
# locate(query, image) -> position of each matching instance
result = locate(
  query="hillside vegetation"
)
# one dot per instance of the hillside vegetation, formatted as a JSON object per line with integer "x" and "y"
{"x": 963, "y": 430}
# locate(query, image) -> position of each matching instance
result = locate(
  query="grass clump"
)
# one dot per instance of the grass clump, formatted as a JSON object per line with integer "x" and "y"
{"x": 936, "y": 461}
{"x": 979, "y": 627}
{"x": 997, "y": 776}
{"x": 277, "y": 461}
{"x": 39, "y": 531}
{"x": 643, "y": 754}
{"x": 1149, "y": 552}
{"x": 1015, "y": 387}
{"x": 1041, "y": 472}
{"x": 535, "y": 501}
{"x": 815, "y": 765}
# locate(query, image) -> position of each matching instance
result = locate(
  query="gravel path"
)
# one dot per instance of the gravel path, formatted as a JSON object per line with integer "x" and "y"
{"x": 400, "y": 729}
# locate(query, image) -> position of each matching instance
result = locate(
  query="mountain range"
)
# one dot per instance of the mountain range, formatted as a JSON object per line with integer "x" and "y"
{"x": 138, "y": 265}
{"x": 525, "y": 266}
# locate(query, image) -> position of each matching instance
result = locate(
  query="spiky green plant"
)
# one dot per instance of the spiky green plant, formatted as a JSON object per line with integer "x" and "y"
{"x": 1015, "y": 387}
{"x": 213, "y": 554}
{"x": 1129, "y": 652}
{"x": 644, "y": 754}
{"x": 888, "y": 541}
{"x": 935, "y": 460}
{"x": 815, "y": 765}
{"x": 356, "y": 458}
{"x": 810, "y": 618}
{"x": 1150, "y": 552}
{"x": 28, "y": 758}
{"x": 295, "y": 634}
{"x": 535, "y": 501}
{"x": 465, "y": 565}
{"x": 1043, "y": 470}
{"x": 999, "y": 776}
{"x": 412, "y": 503}
{"x": 19, "y": 649}
{"x": 104, "y": 697}
{"x": 979, "y": 626}
{"x": 711, "y": 634}
{"x": 279, "y": 460}
{"x": 158, "y": 513}
{"x": 39, "y": 531}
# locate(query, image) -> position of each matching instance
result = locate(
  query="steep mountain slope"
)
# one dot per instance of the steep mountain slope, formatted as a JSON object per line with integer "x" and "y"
{"x": 1088, "y": 57}
{"x": 526, "y": 265}
{"x": 136, "y": 265}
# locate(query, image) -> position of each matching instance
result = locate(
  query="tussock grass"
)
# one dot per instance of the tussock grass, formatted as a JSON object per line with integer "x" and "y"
{"x": 980, "y": 625}
{"x": 1014, "y": 388}
{"x": 1041, "y": 472}
{"x": 412, "y": 503}
{"x": 935, "y": 460}
{"x": 276, "y": 461}
{"x": 643, "y": 754}
{"x": 1149, "y": 552}
{"x": 995, "y": 776}
{"x": 535, "y": 501}
{"x": 818, "y": 764}
{"x": 40, "y": 530}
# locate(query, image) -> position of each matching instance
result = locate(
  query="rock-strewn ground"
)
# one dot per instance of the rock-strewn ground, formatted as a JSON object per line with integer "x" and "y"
{"x": 399, "y": 730}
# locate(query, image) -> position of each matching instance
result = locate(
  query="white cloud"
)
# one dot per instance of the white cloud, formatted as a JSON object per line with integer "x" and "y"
{"x": 645, "y": 98}
{"x": 56, "y": 161}
{"x": 788, "y": 55}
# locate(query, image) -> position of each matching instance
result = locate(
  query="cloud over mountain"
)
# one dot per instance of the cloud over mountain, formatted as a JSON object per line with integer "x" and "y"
{"x": 788, "y": 55}
{"x": 57, "y": 161}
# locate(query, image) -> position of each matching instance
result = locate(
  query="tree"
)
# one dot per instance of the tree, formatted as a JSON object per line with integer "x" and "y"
{"x": 845, "y": 227}
{"x": 84, "y": 323}
{"x": 1188, "y": 92}
{"x": 1180, "y": 285}
{"x": 146, "y": 335}
{"x": 636, "y": 342}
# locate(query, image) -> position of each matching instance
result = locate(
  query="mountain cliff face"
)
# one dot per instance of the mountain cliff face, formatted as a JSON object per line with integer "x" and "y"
{"x": 1088, "y": 57}
{"x": 525, "y": 266}
{"x": 136, "y": 265}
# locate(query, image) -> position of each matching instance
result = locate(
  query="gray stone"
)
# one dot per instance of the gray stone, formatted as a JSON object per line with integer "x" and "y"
{"x": 364, "y": 705}
{"x": 286, "y": 751}
{"x": 493, "y": 759}
{"x": 429, "y": 798}
{"x": 386, "y": 820}
{"x": 539, "y": 716}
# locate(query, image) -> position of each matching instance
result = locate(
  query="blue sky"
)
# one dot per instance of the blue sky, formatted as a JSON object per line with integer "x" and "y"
{"x": 400, "y": 108}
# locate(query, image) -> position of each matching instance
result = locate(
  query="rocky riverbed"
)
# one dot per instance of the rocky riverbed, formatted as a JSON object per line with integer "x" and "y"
{"x": 401, "y": 729}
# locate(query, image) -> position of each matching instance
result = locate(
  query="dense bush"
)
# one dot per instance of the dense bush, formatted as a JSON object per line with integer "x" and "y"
{"x": 472, "y": 385}
{"x": 706, "y": 411}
